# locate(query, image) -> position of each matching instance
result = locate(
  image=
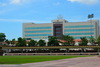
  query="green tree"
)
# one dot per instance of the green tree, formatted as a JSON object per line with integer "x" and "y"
{"x": 2, "y": 37}
{"x": 42, "y": 42}
{"x": 69, "y": 40}
{"x": 21, "y": 42}
{"x": 83, "y": 41}
{"x": 13, "y": 42}
{"x": 92, "y": 40}
{"x": 7, "y": 41}
{"x": 98, "y": 40}
{"x": 32, "y": 43}
{"x": 53, "y": 41}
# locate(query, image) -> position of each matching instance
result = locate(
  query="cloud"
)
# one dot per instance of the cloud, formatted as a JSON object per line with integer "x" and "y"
{"x": 3, "y": 4}
{"x": 15, "y": 1}
{"x": 57, "y": 3}
{"x": 23, "y": 21}
{"x": 90, "y": 2}
{"x": 19, "y": 1}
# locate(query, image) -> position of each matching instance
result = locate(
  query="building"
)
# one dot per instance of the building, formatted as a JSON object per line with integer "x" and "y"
{"x": 61, "y": 26}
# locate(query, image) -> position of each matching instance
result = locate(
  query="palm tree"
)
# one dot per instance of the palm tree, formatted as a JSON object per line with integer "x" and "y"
{"x": 7, "y": 41}
{"x": 13, "y": 42}
{"x": 53, "y": 41}
{"x": 98, "y": 40}
{"x": 21, "y": 42}
{"x": 32, "y": 43}
{"x": 69, "y": 40}
{"x": 42, "y": 42}
{"x": 83, "y": 41}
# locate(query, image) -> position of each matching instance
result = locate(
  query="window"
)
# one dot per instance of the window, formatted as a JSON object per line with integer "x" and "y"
{"x": 40, "y": 31}
{"x": 81, "y": 36}
{"x": 79, "y": 26}
{"x": 58, "y": 28}
{"x": 79, "y": 33}
{"x": 38, "y": 28}
{"x": 58, "y": 32}
{"x": 75, "y": 30}
{"x": 28, "y": 35}
{"x": 58, "y": 35}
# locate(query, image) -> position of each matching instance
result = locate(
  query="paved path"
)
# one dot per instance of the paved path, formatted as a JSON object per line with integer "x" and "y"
{"x": 73, "y": 62}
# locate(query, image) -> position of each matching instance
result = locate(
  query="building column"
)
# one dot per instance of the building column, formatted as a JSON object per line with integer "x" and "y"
{"x": 1, "y": 52}
{"x": 67, "y": 50}
{"x": 99, "y": 51}
{"x": 0, "y": 49}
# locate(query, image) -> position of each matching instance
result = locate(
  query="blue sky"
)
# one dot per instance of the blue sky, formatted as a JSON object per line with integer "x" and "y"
{"x": 15, "y": 12}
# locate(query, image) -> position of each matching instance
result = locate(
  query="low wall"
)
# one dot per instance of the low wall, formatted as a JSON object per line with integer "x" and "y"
{"x": 26, "y": 54}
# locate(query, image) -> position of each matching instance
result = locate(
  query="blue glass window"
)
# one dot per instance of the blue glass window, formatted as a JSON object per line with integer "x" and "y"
{"x": 79, "y": 26}
{"x": 58, "y": 35}
{"x": 75, "y": 30}
{"x": 38, "y": 28}
{"x": 58, "y": 32}
{"x": 40, "y": 31}
{"x": 37, "y": 35}
{"x": 79, "y": 37}
{"x": 79, "y": 33}
{"x": 58, "y": 28}
{"x": 41, "y": 38}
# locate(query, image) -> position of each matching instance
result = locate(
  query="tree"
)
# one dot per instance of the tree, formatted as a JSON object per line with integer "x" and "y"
{"x": 83, "y": 41}
{"x": 21, "y": 42}
{"x": 13, "y": 41}
{"x": 92, "y": 40}
{"x": 69, "y": 40}
{"x": 32, "y": 43}
{"x": 41, "y": 42}
{"x": 2, "y": 37}
{"x": 53, "y": 41}
{"x": 7, "y": 41}
{"x": 98, "y": 40}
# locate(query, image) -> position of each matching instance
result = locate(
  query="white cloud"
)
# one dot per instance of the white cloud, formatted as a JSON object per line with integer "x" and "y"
{"x": 15, "y": 1}
{"x": 57, "y": 3}
{"x": 23, "y": 21}
{"x": 3, "y": 4}
{"x": 85, "y": 1}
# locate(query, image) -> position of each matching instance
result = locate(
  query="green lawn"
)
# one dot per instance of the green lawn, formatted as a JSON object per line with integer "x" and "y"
{"x": 31, "y": 59}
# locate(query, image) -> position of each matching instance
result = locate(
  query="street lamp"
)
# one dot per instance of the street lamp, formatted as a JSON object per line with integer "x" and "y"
{"x": 90, "y": 16}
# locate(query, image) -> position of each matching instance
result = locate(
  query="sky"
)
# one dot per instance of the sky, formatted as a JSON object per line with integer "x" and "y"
{"x": 15, "y": 12}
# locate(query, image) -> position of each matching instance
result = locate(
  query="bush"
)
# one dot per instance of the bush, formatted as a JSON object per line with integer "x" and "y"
{"x": 97, "y": 53}
{"x": 19, "y": 54}
{"x": 48, "y": 54}
{"x": 80, "y": 53}
{"x": 64, "y": 54}
{"x": 33, "y": 54}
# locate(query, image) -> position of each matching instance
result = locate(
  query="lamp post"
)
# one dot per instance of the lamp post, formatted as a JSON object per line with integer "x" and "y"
{"x": 90, "y": 16}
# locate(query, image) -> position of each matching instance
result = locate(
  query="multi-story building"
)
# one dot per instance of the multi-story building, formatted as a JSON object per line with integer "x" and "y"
{"x": 61, "y": 26}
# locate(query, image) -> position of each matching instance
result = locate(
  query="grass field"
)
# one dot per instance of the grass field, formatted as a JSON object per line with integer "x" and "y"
{"x": 31, "y": 59}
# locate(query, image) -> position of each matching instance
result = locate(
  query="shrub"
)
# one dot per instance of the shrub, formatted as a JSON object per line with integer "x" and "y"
{"x": 64, "y": 54}
{"x": 33, "y": 54}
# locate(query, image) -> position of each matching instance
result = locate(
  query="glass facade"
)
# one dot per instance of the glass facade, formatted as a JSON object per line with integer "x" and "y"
{"x": 79, "y": 26}
{"x": 41, "y": 38}
{"x": 29, "y": 35}
{"x": 81, "y": 36}
{"x": 37, "y": 38}
{"x": 79, "y": 33}
{"x": 58, "y": 28}
{"x": 40, "y": 31}
{"x": 76, "y": 30}
{"x": 38, "y": 28}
